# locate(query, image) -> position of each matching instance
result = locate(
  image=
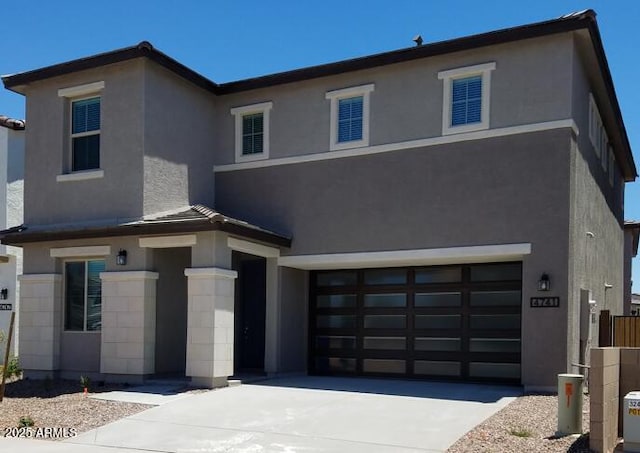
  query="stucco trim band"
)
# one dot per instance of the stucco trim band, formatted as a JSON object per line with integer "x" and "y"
{"x": 208, "y": 272}
{"x": 421, "y": 143}
{"x": 417, "y": 257}
{"x": 128, "y": 275}
{"x": 78, "y": 252}
{"x": 252, "y": 248}
{"x": 185, "y": 240}
{"x": 34, "y": 278}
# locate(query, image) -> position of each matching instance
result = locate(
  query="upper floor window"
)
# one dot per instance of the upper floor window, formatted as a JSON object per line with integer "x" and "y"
{"x": 349, "y": 117}
{"x": 85, "y": 134}
{"x": 466, "y": 98}
{"x": 612, "y": 166}
{"x": 82, "y": 154}
{"x": 252, "y": 131}
{"x": 83, "y": 295}
{"x": 597, "y": 133}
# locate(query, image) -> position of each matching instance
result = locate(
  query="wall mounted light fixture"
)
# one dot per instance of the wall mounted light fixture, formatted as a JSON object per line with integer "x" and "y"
{"x": 121, "y": 257}
{"x": 544, "y": 284}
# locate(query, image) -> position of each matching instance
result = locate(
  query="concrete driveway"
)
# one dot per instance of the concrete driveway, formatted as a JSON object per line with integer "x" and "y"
{"x": 302, "y": 414}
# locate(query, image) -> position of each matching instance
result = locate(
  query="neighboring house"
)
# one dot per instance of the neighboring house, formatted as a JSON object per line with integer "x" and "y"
{"x": 444, "y": 211}
{"x": 635, "y": 304}
{"x": 631, "y": 236}
{"x": 11, "y": 188}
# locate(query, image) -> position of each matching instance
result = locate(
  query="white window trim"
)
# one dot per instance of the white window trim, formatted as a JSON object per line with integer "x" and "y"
{"x": 81, "y": 175}
{"x": 335, "y": 96}
{"x": 483, "y": 70}
{"x": 81, "y": 90}
{"x": 74, "y": 94}
{"x": 239, "y": 112}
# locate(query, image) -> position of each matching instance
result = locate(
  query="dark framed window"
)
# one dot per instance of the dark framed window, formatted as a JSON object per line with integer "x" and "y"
{"x": 466, "y": 101}
{"x": 85, "y": 134}
{"x": 253, "y": 133}
{"x": 83, "y": 295}
{"x": 350, "y": 119}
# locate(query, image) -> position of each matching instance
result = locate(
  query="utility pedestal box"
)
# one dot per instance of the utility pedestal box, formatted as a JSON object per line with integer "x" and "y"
{"x": 570, "y": 395}
{"x": 631, "y": 422}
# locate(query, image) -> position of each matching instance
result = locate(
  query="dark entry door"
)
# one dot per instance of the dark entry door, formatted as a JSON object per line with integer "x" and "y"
{"x": 250, "y": 314}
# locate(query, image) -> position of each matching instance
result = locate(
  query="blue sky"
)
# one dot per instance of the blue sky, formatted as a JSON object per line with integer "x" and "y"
{"x": 229, "y": 40}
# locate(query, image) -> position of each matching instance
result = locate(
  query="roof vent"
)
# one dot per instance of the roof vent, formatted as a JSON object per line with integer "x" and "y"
{"x": 418, "y": 40}
{"x": 145, "y": 45}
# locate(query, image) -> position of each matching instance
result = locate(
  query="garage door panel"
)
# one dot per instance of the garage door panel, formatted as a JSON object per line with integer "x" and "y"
{"x": 455, "y": 322}
{"x": 437, "y": 300}
{"x": 333, "y": 301}
{"x": 385, "y": 343}
{"x": 435, "y": 344}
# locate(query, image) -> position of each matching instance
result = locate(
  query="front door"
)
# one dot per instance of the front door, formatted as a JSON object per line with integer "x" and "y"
{"x": 250, "y": 313}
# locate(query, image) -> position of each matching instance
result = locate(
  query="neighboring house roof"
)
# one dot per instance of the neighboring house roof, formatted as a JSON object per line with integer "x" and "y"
{"x": 191, "y": 219}
{"x": 12, "y": 123}
{"x": 582, "y": 20}
{"x": 634, "y": 228}
{"x": 635, "y": 299}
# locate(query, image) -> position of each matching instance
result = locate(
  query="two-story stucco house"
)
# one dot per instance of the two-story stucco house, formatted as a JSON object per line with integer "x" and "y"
{"x": 444, "y": 211}
{"x": 12, "y": 141}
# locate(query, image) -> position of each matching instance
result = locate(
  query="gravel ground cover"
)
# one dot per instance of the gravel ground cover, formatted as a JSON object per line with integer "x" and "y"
{"x": 528, "y": 424}
{"x": 59, "y": 404}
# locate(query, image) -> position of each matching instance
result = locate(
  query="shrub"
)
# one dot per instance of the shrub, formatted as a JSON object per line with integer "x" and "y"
{"x": 25, "y": 421}
{"x": 13, "y": 367}
{"x": 85, "y": 382}
{"x": 520, "y": 432}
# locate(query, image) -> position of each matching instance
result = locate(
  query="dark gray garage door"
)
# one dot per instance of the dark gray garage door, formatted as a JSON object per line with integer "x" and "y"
{"x": 445, "y": 322}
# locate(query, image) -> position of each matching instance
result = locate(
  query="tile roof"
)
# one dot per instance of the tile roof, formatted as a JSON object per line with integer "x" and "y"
{"x": 12, "y": 123}
{"x": 190, "y": 219}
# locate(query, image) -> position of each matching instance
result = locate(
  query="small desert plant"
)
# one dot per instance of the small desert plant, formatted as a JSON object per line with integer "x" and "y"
{"x": 25, "y": 421}
{"x": 520, "y": 432}
{"x": 85, "y": 382}
{"x": 13, "y": 368}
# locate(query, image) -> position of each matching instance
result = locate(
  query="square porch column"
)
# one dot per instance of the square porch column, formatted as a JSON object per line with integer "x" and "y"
{"x": 128, "y": 323}
{"x": 40, "y": 324}
{"x": 210, "y": 325}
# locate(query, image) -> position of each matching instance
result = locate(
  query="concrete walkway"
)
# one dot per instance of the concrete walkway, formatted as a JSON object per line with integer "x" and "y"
{"x": 309, "y": 414}
{"x": 155, "y": 394}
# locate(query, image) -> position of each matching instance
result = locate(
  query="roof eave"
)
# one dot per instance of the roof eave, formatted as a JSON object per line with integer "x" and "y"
{"x": 16, "y": 82}
{"x": 20, "y": 236}
{"x": 632, "y": 172}
{"x": 145, "y": 49}
{"x": 416, "y": 52}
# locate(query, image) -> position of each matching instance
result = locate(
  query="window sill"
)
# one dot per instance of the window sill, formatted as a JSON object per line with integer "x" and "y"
{"x": 251, "y": 157}
{"x": 348, "y": 145}
{"x": 74, "y": 332}
{"x": 464, "y": 128}
{"x": 80, "y": 175}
